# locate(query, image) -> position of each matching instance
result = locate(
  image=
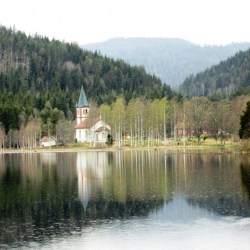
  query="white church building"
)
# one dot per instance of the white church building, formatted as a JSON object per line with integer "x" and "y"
{"x": 89, "y": 129}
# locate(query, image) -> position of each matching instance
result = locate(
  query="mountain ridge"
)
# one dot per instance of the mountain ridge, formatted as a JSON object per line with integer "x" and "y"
{"x": 228, "y": 78}
{"x": 170, "y": 59}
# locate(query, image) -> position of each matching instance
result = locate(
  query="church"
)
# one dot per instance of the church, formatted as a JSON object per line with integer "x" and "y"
{"x": 89, "y": 129}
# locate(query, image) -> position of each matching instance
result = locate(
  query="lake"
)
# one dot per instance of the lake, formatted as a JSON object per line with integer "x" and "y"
{"x": 148, "y": 199}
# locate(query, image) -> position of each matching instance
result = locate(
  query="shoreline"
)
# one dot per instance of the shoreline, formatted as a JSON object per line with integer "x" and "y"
{"x": 217, "y": 147}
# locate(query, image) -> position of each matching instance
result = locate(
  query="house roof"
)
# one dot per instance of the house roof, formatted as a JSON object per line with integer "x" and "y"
{"x": 82, "y": 101}
{"x": 87, "y": 123}
{"x": 47, "y": 138}
{"x": 44, "y": 139}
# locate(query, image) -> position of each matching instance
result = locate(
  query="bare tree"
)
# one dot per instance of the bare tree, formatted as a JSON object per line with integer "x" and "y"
{"x": 200, "y": 106}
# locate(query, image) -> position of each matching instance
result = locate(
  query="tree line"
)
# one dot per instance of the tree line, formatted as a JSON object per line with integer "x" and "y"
{"x": 140, "y": 122}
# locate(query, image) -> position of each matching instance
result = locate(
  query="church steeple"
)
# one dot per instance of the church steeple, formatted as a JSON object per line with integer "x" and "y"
{"x": 82, "y": 107}
{"x": 82, "y": 101}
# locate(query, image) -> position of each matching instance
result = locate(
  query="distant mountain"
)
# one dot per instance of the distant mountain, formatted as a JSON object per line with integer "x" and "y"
{"x": 229, "y": 77}
{"x": 171, "y": 59}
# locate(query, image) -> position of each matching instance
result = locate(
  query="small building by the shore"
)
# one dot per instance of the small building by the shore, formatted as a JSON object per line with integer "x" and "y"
{"x": 48, "y": 141}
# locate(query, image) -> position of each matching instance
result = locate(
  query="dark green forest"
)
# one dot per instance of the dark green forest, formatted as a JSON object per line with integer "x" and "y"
{"x": 42, "y": 77}
{"x": 228, "y": 78}
{"x": 244, "y": 131}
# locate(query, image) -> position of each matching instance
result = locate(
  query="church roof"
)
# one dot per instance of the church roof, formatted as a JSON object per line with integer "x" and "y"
{"x": 87, "y": 123}
{"x": 82, "y": 102}
{"x": 47, "y": 138}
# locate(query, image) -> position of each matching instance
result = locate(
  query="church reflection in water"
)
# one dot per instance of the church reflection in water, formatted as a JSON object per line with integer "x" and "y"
{"x": 118, "y": 185}
{"x": 92, "y": 169}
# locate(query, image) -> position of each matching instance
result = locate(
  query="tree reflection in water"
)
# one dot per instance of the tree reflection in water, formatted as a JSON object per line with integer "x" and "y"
{"x": 49, "y": 195}
{"x": 44, "y": 195}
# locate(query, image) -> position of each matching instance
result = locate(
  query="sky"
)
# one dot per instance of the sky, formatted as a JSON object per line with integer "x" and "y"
{"x": 202, "y": 22}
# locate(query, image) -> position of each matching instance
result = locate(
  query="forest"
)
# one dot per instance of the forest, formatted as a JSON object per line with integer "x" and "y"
{"x": 40, "y": 82}
{"x": 227, "y": 79}
{"x": 141, "y": 122}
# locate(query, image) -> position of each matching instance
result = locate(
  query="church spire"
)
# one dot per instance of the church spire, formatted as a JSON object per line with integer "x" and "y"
{"x": 82, "y": 107}
{"x": 82, "y": 102}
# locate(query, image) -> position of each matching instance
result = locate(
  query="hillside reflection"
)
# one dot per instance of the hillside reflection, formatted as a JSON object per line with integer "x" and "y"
{"x": 50, "y": 194}
{"x": 213, "y": 182}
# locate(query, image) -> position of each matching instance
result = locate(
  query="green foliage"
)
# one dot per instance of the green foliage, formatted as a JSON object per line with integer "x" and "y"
{"x": 229, "y": 78}
{"x": 244, "y": 131}
{"x": 9, "y": 116}
{"x": 35, "y": 70}
{"x": 109, "y": 141}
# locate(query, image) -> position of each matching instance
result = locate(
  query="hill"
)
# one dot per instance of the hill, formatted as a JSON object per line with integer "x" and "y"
{"x": 170, "y": 59}
{"x": 229, "y": 77}
{"x": 35, "y": 70}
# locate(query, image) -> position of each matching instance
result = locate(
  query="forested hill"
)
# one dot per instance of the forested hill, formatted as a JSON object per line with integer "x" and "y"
{"x": 170, "y": 59}
{"x": 34, "y": 70}
{"x": 230, "y": 77}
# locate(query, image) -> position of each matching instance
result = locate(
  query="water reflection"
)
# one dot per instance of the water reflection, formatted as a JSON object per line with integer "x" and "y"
{"x": 245, "y": 174}
{"x": 119, "y": 185}
{"x": 92, "y": 170}
{"x": 44, "y": 196}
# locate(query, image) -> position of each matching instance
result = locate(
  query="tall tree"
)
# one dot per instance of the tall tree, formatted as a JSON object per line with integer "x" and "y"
{"x": 199, "y": 112}
{"x": 244, "y": 131}
{"x": 118, "y": 118}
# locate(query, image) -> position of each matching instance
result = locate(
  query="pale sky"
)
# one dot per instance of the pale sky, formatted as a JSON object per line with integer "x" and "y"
{"x": 89, "y": 21}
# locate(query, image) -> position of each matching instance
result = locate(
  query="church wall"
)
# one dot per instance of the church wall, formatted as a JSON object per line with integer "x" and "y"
{"x": 81, "y": 135}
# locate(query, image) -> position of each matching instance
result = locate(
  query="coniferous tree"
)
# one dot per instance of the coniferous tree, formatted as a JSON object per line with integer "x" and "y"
{"x": 244, "y": 131}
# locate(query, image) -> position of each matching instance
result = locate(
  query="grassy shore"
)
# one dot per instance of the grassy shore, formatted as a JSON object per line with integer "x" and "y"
{"x": 208, "y": 144}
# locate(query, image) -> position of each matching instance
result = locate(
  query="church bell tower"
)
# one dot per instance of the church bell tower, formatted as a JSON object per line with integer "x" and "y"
{"x": 82, "y": 107}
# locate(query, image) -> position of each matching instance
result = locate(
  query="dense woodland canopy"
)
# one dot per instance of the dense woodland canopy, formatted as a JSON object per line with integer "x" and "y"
{"x": 42, "y": 78}
{"x": 229, "y": 78}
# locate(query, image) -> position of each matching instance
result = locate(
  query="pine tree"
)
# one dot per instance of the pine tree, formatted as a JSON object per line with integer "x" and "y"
{"x": 244, "y": 131}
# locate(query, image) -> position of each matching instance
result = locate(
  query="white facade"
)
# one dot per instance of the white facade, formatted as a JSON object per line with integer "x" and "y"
{"x": 47, "y": 141}
{"x": 81, "y": 114}
{"x": 98, "y": 132}
{"x": 88, "y": 129}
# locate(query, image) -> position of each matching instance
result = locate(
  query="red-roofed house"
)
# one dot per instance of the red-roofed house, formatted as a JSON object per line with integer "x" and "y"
{"x": 89, "y": 129}
{"x": 47, "y": 141}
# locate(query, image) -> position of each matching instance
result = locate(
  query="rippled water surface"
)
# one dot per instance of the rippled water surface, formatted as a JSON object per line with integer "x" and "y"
{"x": 125, "y": 200}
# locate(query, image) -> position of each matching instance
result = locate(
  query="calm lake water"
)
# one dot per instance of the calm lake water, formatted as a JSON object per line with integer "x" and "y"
{"x": 125, "y": 200}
